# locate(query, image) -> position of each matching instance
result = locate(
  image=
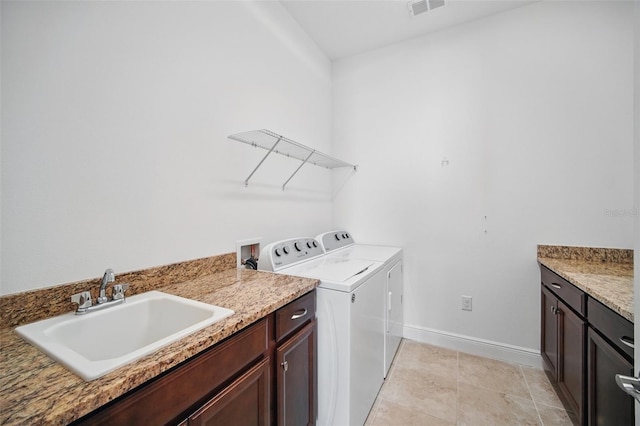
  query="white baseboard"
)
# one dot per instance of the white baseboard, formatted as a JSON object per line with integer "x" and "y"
{"x": 474, "y": 346}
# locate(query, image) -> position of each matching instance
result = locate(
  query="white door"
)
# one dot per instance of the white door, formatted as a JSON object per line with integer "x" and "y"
{"x": 394, "y": 314}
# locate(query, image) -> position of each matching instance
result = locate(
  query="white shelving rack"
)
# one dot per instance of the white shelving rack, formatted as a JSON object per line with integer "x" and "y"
{"x": 273, "y": 142}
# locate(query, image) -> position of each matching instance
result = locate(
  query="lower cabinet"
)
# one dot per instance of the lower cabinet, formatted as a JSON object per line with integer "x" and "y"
{"x": 245, "y": 402}
{"x": 563, "y": 346}
{"x": 233, "y": 383}
{"x": 584, "y": 344}
{"x": 608, "y": 404}
{"x": 296, "y": 379}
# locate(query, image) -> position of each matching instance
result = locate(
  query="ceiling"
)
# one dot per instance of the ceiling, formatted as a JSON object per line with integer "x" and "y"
{"x": 344, "y": 28}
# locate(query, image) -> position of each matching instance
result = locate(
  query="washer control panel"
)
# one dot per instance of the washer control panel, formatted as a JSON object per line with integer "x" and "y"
{"x": 334, "y": 240}
{"x": 281, "y": 254}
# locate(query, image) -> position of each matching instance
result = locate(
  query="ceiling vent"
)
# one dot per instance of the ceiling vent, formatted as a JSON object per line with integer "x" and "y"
{"x": 416, "y": 7}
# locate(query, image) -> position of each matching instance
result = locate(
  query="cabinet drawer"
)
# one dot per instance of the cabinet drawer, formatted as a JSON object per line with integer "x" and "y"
{"x": 291, "y": 317}
{"x": 612, "y": 325}
{"x": 570, "y": 294}
{"x": 163, "y": 400}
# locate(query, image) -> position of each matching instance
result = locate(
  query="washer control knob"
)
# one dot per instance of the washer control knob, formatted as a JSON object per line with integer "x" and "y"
{"x": 315, "y": 244}
{"x": 297, "y": 245}
{"x": 277, "y": 252}
{"x": 337, "y": 237}
{"x": 309, "y": 244}
{"x": 285, "y": 249}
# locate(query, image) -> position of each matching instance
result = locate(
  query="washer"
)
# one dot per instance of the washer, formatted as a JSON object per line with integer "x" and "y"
{"x": 342, "y": 244}
{"x": 350, "y": 313}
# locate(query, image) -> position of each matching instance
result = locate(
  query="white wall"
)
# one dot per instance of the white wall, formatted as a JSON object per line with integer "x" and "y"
{"x": 533, "y": 109}
{"x": 115, "y": 117}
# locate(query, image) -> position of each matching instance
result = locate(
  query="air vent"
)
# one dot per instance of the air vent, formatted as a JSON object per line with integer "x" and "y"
{"x": 417, "y": 7}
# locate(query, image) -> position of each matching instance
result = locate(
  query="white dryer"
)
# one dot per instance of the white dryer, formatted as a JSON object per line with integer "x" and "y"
{"x": 341, "y": 244}
{"x": 350, "y": 312}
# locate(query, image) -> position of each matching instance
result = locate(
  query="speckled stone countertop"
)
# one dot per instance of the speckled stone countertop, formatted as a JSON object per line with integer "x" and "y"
{"x": 34, "y": 389}
{"x": 604, "y": 274}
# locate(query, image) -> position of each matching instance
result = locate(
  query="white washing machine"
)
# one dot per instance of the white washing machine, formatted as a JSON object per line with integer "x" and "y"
{"x": 342, "y": 244}
{"x": 350, "y": 313}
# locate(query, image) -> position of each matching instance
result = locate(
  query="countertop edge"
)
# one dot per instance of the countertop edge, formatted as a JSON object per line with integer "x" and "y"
{"x": 596, "y": 289}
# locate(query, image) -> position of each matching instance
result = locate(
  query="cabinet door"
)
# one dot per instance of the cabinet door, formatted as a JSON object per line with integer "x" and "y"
{"x": 549, "y": 331}
{"x": 571, "y": 364}
{"x": 608, "y": 404}
{"x": 296, "y": 378}
{"x": 245, "y": 402}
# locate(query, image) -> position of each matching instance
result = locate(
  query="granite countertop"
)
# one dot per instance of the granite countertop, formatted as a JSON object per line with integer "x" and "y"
{"x": 604, "y": 274}
{"x": 34, "y": 389}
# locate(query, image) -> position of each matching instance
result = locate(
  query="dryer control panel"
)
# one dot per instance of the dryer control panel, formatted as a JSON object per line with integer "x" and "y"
{"x": 334, "y": 240}
{"x": 282, "y": 254}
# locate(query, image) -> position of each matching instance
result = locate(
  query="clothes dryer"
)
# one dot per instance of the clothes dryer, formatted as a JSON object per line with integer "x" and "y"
{"x": 342, "y": 245}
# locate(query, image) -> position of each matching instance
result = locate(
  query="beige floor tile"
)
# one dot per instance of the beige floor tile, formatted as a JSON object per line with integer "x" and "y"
{"x": 491, "y": 374}
{"x": 479, "y": 406}
{"x": 422, "y": 388}
{"x": 422, "y": 391}
{"x": 540, "y": 387}
{"x": 394, "y": 414}
{"x": 426, "y": 357}
{"x": 554, "y": 416}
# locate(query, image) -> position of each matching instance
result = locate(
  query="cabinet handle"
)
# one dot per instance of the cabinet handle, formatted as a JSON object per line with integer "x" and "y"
{"x": 285, "y": 365}
{"x": 299, "y": 314}
{"x": 554, "y": 285}
{"x": 627, "y": 341}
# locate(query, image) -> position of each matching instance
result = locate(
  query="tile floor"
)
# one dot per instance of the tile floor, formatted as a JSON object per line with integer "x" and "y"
{"x": 428, "y": 385}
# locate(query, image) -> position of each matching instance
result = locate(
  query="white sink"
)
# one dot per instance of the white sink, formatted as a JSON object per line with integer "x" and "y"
{"x": 96, "y": 343}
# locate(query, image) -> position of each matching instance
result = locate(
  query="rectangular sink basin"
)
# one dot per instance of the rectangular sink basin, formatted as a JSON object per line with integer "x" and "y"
{"x": 96, "y": 343}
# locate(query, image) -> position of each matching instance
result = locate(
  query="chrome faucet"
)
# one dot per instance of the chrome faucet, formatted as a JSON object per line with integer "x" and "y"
{"x": 107, "y": 278}
{"x": 102, "y": 301}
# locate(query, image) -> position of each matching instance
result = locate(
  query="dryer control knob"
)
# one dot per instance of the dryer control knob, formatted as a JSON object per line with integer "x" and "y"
{"x": 337, "y": 237}
{"x": 277, "y": 252}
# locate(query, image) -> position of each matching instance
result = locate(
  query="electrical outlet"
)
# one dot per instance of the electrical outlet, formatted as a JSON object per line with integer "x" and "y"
{"x": 466, "y": 303}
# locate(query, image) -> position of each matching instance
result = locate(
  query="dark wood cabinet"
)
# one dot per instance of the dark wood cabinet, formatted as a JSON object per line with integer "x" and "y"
{"x": 296, "y": 368}
{"x": 571, "y": 370}
{"x": 563, "y": 334}
{"x": 609, "y": 353}
{"x": 549, "y": 332}
{"x": 296, "y": 378}
{"x": 233, "y": 383}
{"x": 608, "y": 404}
{"x": 245, "y": 402}
{"x": 584, "y": 344}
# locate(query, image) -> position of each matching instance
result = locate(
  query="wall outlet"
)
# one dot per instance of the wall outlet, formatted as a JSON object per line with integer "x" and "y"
{"x": 466, "y": 303}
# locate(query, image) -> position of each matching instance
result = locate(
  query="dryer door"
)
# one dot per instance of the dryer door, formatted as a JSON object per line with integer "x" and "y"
{"x": 394, "y": 314}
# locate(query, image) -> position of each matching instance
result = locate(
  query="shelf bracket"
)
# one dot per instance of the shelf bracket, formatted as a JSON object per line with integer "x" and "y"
{"x": 299, "y": 167}
{"x": 246, "y": 181}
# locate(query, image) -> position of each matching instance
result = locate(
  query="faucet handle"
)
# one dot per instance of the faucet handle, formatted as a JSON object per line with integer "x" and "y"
{"x": 118, "y": 291}
{"x": 82, "y": 299}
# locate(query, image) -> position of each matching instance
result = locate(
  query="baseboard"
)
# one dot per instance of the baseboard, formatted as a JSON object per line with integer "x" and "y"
{"x": 474, "y": 346}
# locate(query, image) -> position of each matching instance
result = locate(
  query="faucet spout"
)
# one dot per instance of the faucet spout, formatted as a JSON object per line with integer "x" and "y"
{"x": 107, "y": 278}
